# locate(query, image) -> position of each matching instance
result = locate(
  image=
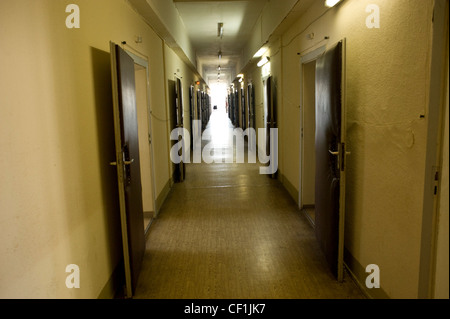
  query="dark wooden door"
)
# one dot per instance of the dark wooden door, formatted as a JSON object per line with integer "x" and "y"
{"x": 128, "y": 166}
{"x": 330, "y": 157}
{"x": 191, "y": 113}
{"x": 243, "y": 117}
{"x": 271, "y": 120}
{"x": 179, "y": 174}
{"x": 251, "y": 106}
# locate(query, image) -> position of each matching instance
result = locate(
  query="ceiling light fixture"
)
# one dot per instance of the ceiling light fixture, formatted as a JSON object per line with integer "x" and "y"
{"x": 220, "y": 30}
{"x": 263, "y": 61}
{"x": 219, "y": 68}
{"x": 331, "y": 3}
{"x": 260, "y": 52}
{"x": 220, "y": 55}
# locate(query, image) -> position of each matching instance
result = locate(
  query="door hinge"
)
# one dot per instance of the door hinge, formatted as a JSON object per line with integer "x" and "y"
{"x": 436, "y": 170}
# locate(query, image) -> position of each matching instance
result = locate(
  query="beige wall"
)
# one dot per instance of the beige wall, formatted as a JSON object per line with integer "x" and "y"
{"x": 58, "y": 201}
{"x": 387, "y": 92}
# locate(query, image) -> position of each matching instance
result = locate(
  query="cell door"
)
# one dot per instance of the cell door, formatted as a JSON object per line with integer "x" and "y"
{"x": 243, "y": 117}
{"x": 251, "y": 106}
{"x": 128, "y": 164}
{"x": 330, "y": 156}
{"x": 251, "y": 113}
{"x": 191, "y": 113}
{"x": 270, "y": 115}
{"x": 179, "y": 123}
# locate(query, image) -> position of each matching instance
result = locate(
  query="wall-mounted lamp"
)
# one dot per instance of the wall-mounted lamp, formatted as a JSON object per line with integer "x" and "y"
{"x": 263, "y": 61}
{"x": 331, "y": 3}
{"x": 260, "y": 52}
{"x": 220, "y": 30}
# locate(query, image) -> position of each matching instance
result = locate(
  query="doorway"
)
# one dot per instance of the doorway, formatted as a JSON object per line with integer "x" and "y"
{"x": 143, "y": 110}
{"x": 308, "y": 133}
{"x": 323, "y": 94}
{"x": 309, "y": 141}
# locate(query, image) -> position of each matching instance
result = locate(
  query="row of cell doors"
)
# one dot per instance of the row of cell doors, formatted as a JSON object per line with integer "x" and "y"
{"x": 202, "y": 107}
{"x": 242, "y": 114}
{"x": 329, "y": 151}
{"x": 241, "y": 107}
{"x": 199, "y": 110}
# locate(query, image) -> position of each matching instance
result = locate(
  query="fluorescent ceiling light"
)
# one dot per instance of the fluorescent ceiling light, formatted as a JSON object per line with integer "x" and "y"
{"x": 263, "y": 61}
{"x": 260, "y": 52}
{"x": 220, "y": 29}
{"x": 331, "y": 3}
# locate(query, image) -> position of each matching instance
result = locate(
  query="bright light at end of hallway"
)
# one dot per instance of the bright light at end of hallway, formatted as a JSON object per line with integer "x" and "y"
{"x": 331, "y": 3}
{"x": 219, "y": 95}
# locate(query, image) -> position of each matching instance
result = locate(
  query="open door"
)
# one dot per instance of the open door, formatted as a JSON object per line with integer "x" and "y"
{"x": 251, "y": 111}
{"x": 128, "y": 164}
{"x": 330, "y": 156}
{"x": 191, "y": 113}
{"x": 270, "y": 115}
{"x": 179, "y": 174}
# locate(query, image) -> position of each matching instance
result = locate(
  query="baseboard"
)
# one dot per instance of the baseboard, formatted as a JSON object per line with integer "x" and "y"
{"x": 114, "y": 286}
{"x": 359, "y": 275}
{"x": 289, "y": 187}
{"x": 162, "y": 197}
{"x": 304, "y": 211}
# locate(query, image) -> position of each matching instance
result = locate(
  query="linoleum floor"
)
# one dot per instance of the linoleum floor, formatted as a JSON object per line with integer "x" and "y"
{"x": 228, "y": 232}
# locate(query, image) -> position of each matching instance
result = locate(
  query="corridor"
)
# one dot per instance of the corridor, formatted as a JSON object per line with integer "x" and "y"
{"x": 353, "y": 95}
{"x": 229, "y": 232}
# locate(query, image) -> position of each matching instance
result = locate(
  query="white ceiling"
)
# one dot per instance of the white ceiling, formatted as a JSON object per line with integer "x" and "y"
{"x": 201, "y": 18}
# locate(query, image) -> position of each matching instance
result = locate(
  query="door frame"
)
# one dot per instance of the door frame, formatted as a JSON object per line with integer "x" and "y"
{"x": 179, "y": 119}
{"x": 309, "y": 57}
{"x": 304, "y": 59}
{"x": 433, "y": 164}
{"x": 144, "y": 63}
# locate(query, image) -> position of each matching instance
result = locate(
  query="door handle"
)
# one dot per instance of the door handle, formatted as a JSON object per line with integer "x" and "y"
{"x": 124, "y": 162}
{"x": 334, "y": 153}
{"x": 337, "y": 153}
{"x": 128, "y": 162}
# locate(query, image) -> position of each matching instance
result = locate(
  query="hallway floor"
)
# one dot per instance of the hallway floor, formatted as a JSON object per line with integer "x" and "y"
{"x": 228, "y": 232}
